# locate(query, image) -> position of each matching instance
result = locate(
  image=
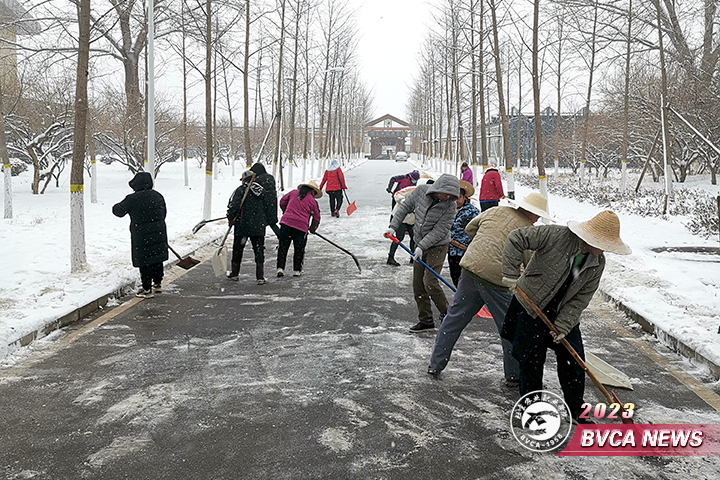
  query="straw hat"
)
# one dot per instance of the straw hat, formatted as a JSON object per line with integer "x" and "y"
{"x": 317, "y": 193}
{"x": 534, "y": 203}
{"x": 602, "y": 231}
{"x": 467, "y": 186}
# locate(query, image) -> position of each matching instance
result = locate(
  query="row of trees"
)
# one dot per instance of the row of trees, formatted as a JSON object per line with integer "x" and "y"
{"x": 605, "y": 67}
{"x": 286, "y": 67}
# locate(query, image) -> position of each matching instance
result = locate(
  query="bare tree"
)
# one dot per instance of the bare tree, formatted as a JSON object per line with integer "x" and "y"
{"x": 78, "y": 258}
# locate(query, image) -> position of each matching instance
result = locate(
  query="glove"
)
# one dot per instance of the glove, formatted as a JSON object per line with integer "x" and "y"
{"x": 391, "y": 232}
{"x": 511, "y": 283}
{"x": 418, "y": 253}
{"x": 388, "y": 190}
{"x": 557, "y": 337}
{"x": 313, "y": 226}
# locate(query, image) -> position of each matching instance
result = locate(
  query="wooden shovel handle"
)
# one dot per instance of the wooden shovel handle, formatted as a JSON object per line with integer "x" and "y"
{"x": 610, "y": 398}
{"x": 567, "y": 345}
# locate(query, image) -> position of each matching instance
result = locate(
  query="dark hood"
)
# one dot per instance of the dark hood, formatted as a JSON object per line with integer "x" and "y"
{"x": 259, "y": 169}
{"x": 141, "y": 181}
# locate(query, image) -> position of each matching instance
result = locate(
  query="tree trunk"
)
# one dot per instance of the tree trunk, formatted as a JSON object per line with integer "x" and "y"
{"x": 207, "y": 204}
{"x": 78, "y": 258}
{"x": 586, "y": 127}
{"x": 7, "y": 167}
{"x": 246, "y": 88}
{"x": 501, "y": 101}
{"x": 539, "y": 158}
{"x": 278, "y": 139}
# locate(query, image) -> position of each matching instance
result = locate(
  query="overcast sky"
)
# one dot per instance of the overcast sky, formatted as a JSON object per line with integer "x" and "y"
{"x": 391, "y": 33}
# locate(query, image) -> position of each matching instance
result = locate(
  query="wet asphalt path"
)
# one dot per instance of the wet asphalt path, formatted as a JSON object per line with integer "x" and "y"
{"x": 310, "y": 377}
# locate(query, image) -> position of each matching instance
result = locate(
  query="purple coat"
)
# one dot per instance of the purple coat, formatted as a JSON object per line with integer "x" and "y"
{"x": 467, "y": 176}
{"x": 296, "y": 212}
{"x": 401, "y": 181}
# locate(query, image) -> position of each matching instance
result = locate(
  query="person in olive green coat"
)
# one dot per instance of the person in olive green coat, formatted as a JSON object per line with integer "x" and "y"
{"x": 561, "y": 278}
{"x": 480, "y": 282}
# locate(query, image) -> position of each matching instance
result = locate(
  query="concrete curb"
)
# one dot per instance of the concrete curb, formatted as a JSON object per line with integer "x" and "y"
{"x": 668, "y": 339}
{"x": 93, "y": 306}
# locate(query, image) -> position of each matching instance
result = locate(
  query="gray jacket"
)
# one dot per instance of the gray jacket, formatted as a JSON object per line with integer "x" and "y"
{"x": 433, "y": 219}
{"x": 555, "y": 248}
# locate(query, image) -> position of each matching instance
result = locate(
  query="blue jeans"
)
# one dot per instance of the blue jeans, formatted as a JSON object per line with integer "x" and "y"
{"x": 470, "y": 297}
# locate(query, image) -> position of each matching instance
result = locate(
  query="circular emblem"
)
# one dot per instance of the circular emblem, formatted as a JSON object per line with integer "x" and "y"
{"x": 540, "y": 421}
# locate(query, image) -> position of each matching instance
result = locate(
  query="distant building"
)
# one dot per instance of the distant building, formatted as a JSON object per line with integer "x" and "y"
{"x": 14, "y": 21}
{"x": 523, "y": 148}
{"x": 387, "y": 135}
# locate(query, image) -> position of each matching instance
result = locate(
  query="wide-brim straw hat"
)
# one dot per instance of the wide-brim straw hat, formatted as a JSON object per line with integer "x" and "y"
{"x": 534, "y": 203}
{"x": 602, "y": 231}
{"x": 467, "y": 186}
{"x": 317, "y": 193}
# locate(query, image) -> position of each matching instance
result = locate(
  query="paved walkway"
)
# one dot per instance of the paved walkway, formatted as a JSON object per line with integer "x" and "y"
{"x": 308, "y": 377}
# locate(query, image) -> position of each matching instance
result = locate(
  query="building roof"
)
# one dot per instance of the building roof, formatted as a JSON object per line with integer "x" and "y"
{"x": 387, "y": 116}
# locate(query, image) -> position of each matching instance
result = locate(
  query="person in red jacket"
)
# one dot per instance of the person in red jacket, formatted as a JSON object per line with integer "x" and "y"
{"x": 335, "y": 185}
{"x": 491, "y": 190}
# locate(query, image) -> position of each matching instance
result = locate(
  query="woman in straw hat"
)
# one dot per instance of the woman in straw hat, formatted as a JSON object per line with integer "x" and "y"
{"x": 298, "y": 206}
{"x": 480, "y": 282}
{"x": 560, "y": 279}
{"x": 458, "y": 238}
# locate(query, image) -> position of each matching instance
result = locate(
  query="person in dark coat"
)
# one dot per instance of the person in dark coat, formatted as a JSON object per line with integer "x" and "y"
{"x": 560, "y": 279}
{"x": 247, "y": 212}
{"x": 270, "y": 200}
{"x": 148, "y": 232}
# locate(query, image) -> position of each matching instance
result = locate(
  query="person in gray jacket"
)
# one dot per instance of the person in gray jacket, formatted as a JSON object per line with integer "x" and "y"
{"x": 434, "y": 207}
{"x": 560, "y": 278}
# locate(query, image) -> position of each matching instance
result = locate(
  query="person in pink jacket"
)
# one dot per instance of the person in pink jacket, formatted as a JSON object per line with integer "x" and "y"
{"x": 298, "y": 207}
{"x": 466, "y": 173}
{"x": 335, "y": 185}
{"x": 491, "y": 190}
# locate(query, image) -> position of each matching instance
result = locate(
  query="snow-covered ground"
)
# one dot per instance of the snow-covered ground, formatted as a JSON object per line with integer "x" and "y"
{"x": 679, "y": 292}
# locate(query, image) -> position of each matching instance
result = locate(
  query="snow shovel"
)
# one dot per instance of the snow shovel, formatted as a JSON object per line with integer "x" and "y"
{"x": 610, "y": 398}
{"x": 203, "y": 222}
{"x": 219, "y": 258}
{"x": 351, "y": 205}
{"x": 394, "y": 239}
{"x": 187, "y": 263}
{"x": 341, "y": 248}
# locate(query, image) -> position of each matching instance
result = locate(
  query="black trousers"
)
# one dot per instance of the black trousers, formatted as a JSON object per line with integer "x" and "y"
{"x": 455, "y": 269}
{"x": 258, "y": 245}
{"x": 404, "y": 227}
{"x": 299, "y": 240}
{"x": 151, "y": 274}
{"x": 336, "y": 200}
{"x": 484, "y": 205}
{"x": 531, "y": 340}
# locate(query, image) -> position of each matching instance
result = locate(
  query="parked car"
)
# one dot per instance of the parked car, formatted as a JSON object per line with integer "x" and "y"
{"x": 401, "y": 157}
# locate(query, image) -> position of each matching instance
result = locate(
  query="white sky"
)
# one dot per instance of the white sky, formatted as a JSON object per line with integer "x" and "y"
{"x": 390, "y": 34}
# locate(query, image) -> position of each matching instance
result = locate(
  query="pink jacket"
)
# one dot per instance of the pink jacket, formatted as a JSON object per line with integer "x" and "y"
{"x": 467, "y": 175}
{"x": 296, "y": 212}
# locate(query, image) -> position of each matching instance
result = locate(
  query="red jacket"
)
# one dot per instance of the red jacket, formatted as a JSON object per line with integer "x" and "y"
{"x": 491, "y": 186}
{"x": 335, "y": 180}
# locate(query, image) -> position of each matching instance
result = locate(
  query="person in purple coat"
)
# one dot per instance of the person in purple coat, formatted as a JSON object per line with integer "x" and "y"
{"x": 298, "y": 207}
{"x": 398, "y": 182}
{"x": 466, "y": 173}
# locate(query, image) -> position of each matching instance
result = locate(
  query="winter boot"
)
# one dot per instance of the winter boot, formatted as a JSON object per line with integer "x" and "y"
{"x": 392, "y": 261}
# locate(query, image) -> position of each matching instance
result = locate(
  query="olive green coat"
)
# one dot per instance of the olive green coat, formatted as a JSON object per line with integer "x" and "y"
{"x": 555, "y": 248}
